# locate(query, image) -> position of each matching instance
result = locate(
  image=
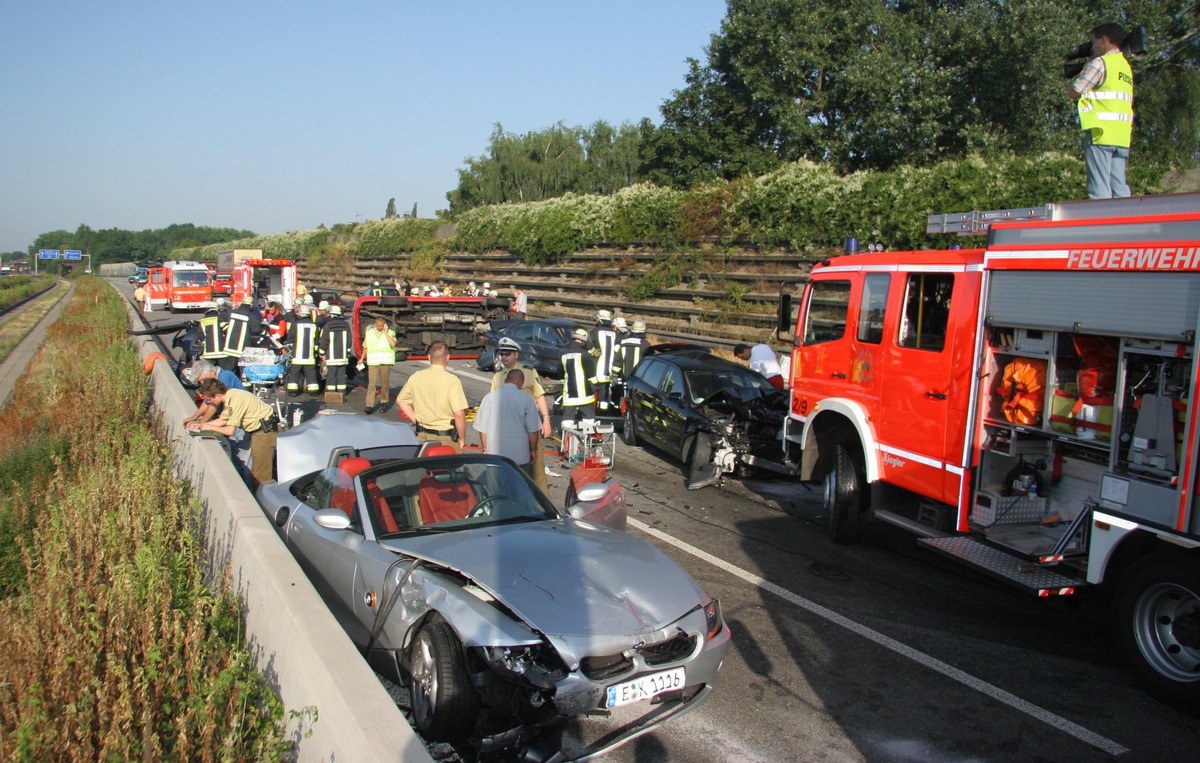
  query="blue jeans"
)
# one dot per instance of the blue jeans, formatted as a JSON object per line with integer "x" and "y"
{"x": 1105, "y": 170}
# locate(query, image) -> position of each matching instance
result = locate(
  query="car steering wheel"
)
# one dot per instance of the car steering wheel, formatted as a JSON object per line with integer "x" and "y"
{"x": 484, "y": 507}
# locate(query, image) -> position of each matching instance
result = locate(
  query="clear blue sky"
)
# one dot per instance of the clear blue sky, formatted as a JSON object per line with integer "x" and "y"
{"x": 283, "y": 115}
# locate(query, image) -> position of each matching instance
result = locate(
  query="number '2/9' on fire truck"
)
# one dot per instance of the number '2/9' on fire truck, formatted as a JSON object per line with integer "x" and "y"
{"x": 1037, "y": 397}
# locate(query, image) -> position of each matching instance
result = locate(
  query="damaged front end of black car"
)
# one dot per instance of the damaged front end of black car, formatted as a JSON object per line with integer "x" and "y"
{"x": 744, "y": 432}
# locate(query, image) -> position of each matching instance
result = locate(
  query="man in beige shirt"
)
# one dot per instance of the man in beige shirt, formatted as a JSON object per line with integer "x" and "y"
{"x": 508, "y": 353}
{"x": 433, "y": 399}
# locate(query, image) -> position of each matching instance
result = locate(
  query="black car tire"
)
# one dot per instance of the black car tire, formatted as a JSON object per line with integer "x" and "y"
{"x": 844, "y": 496}
{"x": 1158, "y": 626}
{"x": 628, "y": 433}
{"x": 445, "y": 705}
{"x": 698, "y": 453}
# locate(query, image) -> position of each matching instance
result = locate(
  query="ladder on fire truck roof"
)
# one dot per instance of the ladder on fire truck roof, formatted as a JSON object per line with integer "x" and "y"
{"x": 977, "y": 223}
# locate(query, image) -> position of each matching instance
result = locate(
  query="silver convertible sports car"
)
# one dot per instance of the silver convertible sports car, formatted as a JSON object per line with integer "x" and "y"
{"x": 505, "y": 615}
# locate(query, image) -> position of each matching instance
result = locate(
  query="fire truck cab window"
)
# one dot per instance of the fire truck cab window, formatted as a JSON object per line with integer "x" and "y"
{"x": 191, "y": 278}
{"x": 926, "y": 315}
{"x": 828, "y": 308}
{"x": 872, "y": 307}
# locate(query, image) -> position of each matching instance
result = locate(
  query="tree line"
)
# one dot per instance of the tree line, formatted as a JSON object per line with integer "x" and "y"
{"x": 117, "y": 245}
{"x": 864, "y": 84}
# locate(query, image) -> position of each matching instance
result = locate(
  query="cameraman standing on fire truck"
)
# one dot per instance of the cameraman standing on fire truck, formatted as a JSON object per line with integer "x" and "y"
{"x": 1104, "y": 92}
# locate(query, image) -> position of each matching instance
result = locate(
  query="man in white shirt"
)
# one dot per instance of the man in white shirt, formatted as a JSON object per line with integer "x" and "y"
{"x": 762, "y": 359}
{"x": 520, "y": 303}
{"x": 508, "y": 422}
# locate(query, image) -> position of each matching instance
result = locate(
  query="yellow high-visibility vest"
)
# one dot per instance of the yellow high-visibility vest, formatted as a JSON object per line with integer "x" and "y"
{"x": 1108, "y": 110}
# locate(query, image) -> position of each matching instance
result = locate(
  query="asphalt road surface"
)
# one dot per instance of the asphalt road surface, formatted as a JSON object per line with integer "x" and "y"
{"x": 872, "y": 652}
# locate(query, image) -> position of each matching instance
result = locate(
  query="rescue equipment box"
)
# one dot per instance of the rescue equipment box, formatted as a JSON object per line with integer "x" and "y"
{"x": 991, "y": 508}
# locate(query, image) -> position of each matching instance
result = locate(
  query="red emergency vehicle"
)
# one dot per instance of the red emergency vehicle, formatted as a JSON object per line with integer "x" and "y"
{"x": 1036, "y": 397}
{"x": 179, "y": 285}
{"x": 460, "y": 322}
{"x": 262, "y": 280}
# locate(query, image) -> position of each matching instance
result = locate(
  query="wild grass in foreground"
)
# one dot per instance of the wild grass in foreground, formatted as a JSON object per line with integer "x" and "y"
{"x": 113, "y": 648}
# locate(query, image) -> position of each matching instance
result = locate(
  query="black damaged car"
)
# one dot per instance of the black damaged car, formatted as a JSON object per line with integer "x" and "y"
{"x": 714, "y": 415}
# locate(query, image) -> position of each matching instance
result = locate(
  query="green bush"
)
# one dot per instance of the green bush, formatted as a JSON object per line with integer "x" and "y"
{"x": 802, "y": 206}
{"x": 647, "y": 213}
{"x": 378, "y": 239}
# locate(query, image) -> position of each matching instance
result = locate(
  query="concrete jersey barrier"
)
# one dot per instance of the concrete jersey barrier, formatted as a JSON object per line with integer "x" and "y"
{"x": 339, "y": 710}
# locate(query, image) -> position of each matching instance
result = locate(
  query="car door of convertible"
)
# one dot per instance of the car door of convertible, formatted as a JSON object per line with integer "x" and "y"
{"x": 331, "y": 559}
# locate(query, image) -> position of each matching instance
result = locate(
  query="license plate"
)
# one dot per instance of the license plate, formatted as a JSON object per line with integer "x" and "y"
{"x": 645, "y": 687}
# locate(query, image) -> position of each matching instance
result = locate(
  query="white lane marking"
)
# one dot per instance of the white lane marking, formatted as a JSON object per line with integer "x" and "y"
{"x": 951, "y": 672}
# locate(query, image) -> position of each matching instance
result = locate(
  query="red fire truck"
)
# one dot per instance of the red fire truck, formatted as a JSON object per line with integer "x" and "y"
{"x": 420, "y": 321}
{"x": 1035, "y": 397}
{"x": 262, "y": 280}
{"x": 179, "y": 285}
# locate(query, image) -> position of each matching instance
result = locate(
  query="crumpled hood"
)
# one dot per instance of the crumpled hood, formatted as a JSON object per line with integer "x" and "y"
{"x": 566, "y": 578}
{"x": 746, "y": 399}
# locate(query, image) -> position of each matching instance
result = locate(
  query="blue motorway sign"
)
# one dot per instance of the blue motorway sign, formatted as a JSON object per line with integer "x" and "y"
{"x": 72, "y": 254}
{"x": 47, "y": 254}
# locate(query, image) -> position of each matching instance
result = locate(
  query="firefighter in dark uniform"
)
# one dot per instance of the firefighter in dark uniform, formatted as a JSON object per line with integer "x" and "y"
{"x": 244, "y": 322}
{"x": 302, "y": 338}
{"x": 630, "y": 351}
{"x": 335, "y": 346}
{"x": 579, "y": 372}
{"x": 508, "y": 353}
{"x": 602, "y": 344}
{"x": 211, "y": 328}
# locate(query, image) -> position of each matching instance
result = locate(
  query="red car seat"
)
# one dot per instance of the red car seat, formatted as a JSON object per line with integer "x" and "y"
{"x": 443, "y": 496}
{"x": 343, "y": 492}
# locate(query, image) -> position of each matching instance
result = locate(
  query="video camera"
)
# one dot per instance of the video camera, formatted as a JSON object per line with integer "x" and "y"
{"x": 1136, "y": 44}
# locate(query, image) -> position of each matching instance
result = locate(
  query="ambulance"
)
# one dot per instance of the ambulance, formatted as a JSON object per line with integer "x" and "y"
{"x": 258, "y": 279}
{"x": 1035, "y": 401}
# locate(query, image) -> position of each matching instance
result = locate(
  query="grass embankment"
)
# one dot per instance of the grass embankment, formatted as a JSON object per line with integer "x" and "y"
{"x": 16, "y": 288}
{"x": 18, "y": 326}
{"x": 113, "y": 647}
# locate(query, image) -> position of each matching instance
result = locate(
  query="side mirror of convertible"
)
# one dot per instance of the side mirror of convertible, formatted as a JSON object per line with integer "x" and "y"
{"x": 332, "y": 519}
{"x": 600, "y": 503}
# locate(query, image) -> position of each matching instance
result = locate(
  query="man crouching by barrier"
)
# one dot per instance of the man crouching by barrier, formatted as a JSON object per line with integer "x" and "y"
{"x": 243, "y": 413}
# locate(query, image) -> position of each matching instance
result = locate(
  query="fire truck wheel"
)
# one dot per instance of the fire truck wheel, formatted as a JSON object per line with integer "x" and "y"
{"x": 844, "y": 496}
{"x": 1158, "y": 626}
{"x": 628, "y": 433}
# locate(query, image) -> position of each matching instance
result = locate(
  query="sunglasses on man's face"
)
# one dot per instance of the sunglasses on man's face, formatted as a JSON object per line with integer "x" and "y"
{"x": 508, "y": 352}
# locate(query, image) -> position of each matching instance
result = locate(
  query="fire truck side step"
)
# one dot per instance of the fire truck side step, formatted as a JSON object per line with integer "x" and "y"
{"x": 1026, "y": 575}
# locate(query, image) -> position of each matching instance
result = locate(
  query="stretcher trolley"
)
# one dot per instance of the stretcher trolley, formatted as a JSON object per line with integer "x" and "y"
{"x": 263, "y": 369}
{"x": 589, "y": 438}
